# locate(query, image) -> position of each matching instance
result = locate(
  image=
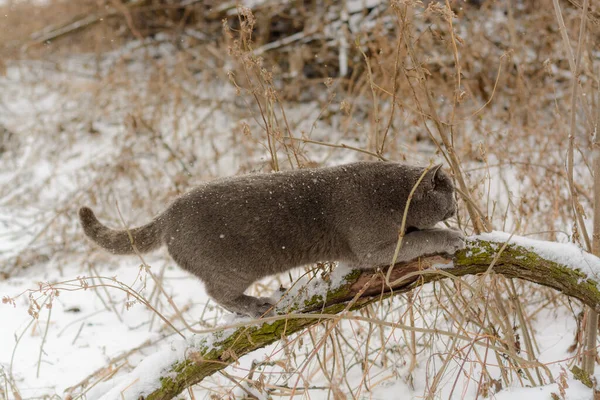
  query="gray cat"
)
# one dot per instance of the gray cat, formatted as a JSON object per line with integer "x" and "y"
{"x": 233, "y": 231}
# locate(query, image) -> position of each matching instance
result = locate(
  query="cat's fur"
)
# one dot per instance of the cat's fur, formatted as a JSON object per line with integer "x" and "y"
{"x": 233, "y": 231}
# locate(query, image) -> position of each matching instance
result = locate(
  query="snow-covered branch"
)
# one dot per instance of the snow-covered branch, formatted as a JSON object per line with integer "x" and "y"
{"x": 563, "y": 267}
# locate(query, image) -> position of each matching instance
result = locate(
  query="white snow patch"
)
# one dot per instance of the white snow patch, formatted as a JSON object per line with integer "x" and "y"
{"x": 308, "y": 287}
{"x": 567, "y": 254}
{"x": 144, "y": 378}
{"x": 575, "y": 391}
{"x": 443, "y": 266}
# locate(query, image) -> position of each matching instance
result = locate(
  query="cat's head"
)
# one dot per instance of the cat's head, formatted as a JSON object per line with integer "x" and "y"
{"x": 433, "y": 200}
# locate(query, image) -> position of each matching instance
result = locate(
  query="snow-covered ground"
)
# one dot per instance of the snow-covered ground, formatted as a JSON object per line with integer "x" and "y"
{"x": 73, "y": 324}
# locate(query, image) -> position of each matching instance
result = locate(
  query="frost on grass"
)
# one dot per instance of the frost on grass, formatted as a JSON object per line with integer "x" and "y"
{"x": 567, "y": 254}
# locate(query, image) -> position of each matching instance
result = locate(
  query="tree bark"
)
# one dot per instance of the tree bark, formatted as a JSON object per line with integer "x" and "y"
{"x": 363, "y": 287}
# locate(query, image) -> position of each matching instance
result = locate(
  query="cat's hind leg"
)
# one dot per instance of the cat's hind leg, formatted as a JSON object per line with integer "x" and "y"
{"x": 224, "y": 285}
{"x": 231, "y": 297}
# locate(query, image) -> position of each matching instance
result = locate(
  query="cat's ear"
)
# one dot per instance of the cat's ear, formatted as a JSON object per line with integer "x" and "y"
{"x": 428, "y": 182}
{"x": 434, "y": 174}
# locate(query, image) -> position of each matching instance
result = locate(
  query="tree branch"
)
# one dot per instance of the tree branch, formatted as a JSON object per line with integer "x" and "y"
{"x": 522, "y": 260}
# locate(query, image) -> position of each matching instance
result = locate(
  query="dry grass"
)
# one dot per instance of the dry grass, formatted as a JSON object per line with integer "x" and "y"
{"x": 487, "y": 89}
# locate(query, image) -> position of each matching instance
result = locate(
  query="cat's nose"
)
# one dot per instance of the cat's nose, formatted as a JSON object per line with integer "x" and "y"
{"x": 451, "y": 213}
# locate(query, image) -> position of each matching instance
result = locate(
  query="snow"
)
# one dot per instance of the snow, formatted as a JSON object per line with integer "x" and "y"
{"x": 575, "y": 391}
{"x": 88, "y": 332}
{"x": 567, "y": 254}
{"x": 144, "y": 379}
{"x": 307, "y": 287}
{"x": 96, "y": 341}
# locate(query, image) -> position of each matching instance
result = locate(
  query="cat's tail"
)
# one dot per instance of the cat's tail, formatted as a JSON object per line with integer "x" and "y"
{"x": 144, "y": 238}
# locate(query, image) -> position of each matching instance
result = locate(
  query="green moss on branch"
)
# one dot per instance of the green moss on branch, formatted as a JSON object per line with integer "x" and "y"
{"x": 512, "y": 261}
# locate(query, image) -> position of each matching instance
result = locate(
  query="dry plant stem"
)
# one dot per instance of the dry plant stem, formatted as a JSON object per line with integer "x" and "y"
{"x": 236, "y": 383}
{"x": 343, "y": 40}
{"x": 271, "y": 134}
{"x": 365, "y": 361}
{"x": 294, "y": 147}
{"x": 564, "y": 34}
{"x": 457, "y": 92}
{"x": 460, "y": 322}
{"x": 470, "y": 201}
{"x": 127, "y": 14}
{"x": 483, "y": 327}
{"x": 335, "y": 322}
{"x": 18, "y": 340}
{"x": 322, "y": 359}
{"x": 493, "y": 89}
{"x": 413, "y": 336}
{"x": 100, "y": 373}
{"x": 479, "y": 224}
{"x": 503, "y": 317}
{"x": 514, "y": 262}
{"x": 382, "y": 339}
{"x": 76, "y": 284}
{"x": 69, "y": 28}
{"x": 156, "y": 281}
{"x": 340, "y": 146}
{"x": 155, "y": 293}
{"x": 13, "y": 386}
{"x": 574, "y": 200}
{"x": 37, "y": 373}
{"x": 402, "y": 230}
{"x": 574, "y": 95}
{"x": 249, "y": 61}
{"x": 77, "y": 334}
{"x": 452, "y": 350}
{"x": 394, "y": 84}
{"x": 591, "y": 328}
{"x": 324, "y": 108}
{"x": 512, "y": 290}
{"x": 338, "y": 337}
{"x": 109, "y": 304}
{"x": 574, "y": 65}
{"x": 378, "y": 149}
{"x": 459, "y": 310}
{"x": 591, "y": 338}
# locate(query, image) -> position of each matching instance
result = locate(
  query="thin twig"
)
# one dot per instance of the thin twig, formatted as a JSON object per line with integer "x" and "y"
{"x": 39, "y": 363}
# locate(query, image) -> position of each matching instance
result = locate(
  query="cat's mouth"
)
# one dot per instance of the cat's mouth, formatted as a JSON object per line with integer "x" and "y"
{"x": 411, "y": 229}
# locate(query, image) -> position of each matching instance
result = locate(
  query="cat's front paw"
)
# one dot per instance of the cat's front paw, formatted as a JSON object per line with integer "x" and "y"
{"x": 455, "y": 241}
{"x": 265, "y": 307}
